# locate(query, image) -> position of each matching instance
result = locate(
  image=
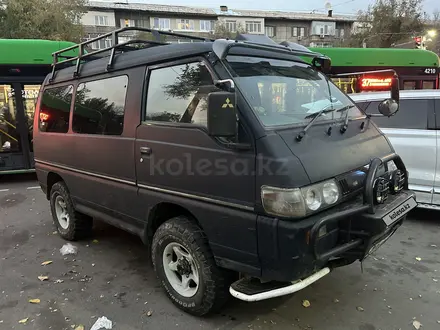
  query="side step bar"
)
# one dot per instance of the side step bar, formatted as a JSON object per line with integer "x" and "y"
{"x": 244, "y": 290}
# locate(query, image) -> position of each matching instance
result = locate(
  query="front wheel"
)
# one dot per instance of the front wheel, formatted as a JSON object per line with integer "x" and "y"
{"x": 185, "y": 265}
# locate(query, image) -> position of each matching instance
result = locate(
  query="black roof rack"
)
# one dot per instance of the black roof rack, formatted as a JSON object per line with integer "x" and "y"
{"x": 116, "y": 46}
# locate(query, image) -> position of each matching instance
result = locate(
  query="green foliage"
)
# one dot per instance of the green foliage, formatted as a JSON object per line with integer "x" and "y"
{"x": 222, "y": 32}
{"x": 42, "y": 19}
{"x": 389, "y": 22}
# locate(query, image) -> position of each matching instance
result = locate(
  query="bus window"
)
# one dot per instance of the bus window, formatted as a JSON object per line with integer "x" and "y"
{"x": 9, "y": 136}
{"x": 428, "y": 84}
{"x": 409, "y": 85}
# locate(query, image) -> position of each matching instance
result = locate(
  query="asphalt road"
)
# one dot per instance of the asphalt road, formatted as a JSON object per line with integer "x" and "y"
{"x": 112, "y": 276}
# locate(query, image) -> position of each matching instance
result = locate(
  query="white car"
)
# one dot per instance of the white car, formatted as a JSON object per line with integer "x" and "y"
{"x": 415, "y": 135}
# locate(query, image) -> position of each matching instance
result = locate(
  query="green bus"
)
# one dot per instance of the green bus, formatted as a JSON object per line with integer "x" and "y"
{"x": 416, "y": 68}
{"x": 24, "y": 64}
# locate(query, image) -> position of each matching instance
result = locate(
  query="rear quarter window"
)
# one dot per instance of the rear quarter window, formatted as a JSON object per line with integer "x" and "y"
{"x": 55, "y": 109}
{"x": 412, "y": 114}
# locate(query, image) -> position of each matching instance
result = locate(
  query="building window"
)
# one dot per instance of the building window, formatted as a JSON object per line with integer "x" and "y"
{"x": 270, "y": 31}
{"x": 55, "y": 109}
{"x": 253, "y": 27}
{"x": 179, "y": 94}
{"x": 101, "y": 20}
{"x": 99, "y": 106}
{"x": 185, "y": 24}
{"x": 127, "y": 23}
{"x": 206, "y": 25}
{"x": 231, "y": 26}
{"x": 324, "y": 30}
{"x": 162, "y": 23}
{"x": 298, "y": 31}
{"x": 101, "y": 44}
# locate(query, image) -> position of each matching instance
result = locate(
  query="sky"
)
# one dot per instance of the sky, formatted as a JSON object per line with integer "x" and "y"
{"x": 339, "y": 6}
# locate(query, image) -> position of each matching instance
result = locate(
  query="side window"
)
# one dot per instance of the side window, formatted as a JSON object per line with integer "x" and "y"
{"x": 99, "y": 106}
{"x": 179, "y": 94}
{"x": 55, "y": 109}
{"x": 413, "y": 114}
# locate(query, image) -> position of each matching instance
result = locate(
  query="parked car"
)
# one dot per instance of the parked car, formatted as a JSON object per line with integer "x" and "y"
{"x": 185, "y": 146}
{"x": 414, "y": 134}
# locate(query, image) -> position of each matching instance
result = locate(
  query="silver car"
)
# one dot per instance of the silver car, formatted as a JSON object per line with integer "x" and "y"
{"x": 415, "y": 135}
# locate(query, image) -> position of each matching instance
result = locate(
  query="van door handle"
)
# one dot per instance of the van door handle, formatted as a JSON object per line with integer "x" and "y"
{"x": 145, "y": 150}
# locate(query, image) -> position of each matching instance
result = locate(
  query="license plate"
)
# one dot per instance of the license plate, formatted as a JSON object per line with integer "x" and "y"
{"x": 399, "y": 211}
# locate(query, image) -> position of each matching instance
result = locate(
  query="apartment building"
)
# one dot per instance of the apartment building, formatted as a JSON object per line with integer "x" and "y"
{"x": 310, "y": 29}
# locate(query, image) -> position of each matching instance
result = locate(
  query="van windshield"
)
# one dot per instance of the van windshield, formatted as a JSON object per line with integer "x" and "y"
{"x": 287, "y": 93}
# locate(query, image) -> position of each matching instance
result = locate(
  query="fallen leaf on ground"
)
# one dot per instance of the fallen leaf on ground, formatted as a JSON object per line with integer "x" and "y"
{"x": 417, "y": 324}
{"x": 80, "y": 327}
{"x": 419, "y": 259}
{"x": 360, "y": 309}
{"x": 23, "y": 320}
{"x": 34, "y": 301}
{"x": 43, "y": 278}
{"x": 45, "y": 263}
{"x": 306, "y": 303}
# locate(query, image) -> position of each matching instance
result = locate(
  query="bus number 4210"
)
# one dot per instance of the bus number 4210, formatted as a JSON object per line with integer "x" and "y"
{"x": 430, "y": 71}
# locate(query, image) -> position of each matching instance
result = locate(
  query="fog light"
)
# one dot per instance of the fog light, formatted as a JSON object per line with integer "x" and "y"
{"x": 381, "y": 187}
{"x": 322, "y": 231}
{"x": 397, "y": 181}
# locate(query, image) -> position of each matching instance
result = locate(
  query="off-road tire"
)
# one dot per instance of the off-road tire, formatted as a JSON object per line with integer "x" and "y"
{"x": 80, "y": 226}
{"x": 213, "y": 291}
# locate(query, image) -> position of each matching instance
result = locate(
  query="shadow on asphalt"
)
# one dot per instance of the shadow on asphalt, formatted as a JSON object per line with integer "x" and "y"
{"x": 15, "y": 178}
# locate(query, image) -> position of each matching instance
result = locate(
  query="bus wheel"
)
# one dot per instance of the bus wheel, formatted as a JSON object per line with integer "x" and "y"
{"x": 185, "y": 265}
{"x": 71, "y": 225}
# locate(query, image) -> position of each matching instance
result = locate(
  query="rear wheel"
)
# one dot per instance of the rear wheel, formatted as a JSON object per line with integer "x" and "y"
{"x": 71, "y": 225}
{"x": 185, "y": 265}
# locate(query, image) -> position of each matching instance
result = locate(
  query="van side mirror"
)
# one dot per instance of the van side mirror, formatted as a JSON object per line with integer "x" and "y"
{"x": 222, "y": 114}
{"x": 390, "y": 106}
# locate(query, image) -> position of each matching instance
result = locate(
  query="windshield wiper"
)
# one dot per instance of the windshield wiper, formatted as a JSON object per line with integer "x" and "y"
{"x": 345, "y": 125}
{"x": 315, "y": 116}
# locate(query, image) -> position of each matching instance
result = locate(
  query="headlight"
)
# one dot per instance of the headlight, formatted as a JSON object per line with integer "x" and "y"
{"x": 300, "y": 202}
{"x": 330, "y": 191}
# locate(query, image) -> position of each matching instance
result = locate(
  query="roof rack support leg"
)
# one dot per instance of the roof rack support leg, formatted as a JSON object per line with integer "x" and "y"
{"x": 156, "y": 35}
{"x": 54, "y": 64}
{"x": 78, "y": 61}
{"x": 110, "y": 61}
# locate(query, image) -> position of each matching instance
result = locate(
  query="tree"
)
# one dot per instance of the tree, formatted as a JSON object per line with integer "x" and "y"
{"x": 389, "y": 22}
{"x": 42, "y": 19}
{"x": 222, "y": 32}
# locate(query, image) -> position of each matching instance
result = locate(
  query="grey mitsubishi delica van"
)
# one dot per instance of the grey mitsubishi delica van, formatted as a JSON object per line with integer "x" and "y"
{"x": 243, "y": 168}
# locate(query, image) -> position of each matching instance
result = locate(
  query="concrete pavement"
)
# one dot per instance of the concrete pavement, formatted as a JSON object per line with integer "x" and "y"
{"x": 112, "y": 276}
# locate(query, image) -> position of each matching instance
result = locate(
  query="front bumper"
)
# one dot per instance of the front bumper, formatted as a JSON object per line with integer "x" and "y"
{"x": 292, "y": 250}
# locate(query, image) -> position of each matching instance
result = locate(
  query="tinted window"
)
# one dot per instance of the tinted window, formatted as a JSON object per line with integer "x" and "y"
{"x": 179, "y": 94}
{"x": 55, "y": 109}
{"x": 99, "y": 106}
{"x": 413, "y": 114}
